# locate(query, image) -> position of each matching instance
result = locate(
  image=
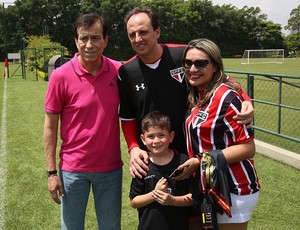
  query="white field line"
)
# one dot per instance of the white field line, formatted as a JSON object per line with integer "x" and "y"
{"x": 3, "y": 152}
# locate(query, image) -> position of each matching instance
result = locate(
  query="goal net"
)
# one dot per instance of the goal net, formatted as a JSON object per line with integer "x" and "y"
{"x": 263, "y": 56}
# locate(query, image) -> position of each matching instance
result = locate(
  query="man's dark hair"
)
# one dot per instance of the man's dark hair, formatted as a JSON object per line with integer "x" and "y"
{"x": 87, "y": 20}
{"x": 151, "y": 14}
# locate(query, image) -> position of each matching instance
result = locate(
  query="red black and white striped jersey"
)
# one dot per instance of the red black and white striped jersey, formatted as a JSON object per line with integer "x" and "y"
{"x": 212, "y": 127}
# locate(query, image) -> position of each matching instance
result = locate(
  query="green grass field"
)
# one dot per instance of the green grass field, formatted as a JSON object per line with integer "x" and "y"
{"x": 291, "y": 66}
{"x": 25, "y": 202}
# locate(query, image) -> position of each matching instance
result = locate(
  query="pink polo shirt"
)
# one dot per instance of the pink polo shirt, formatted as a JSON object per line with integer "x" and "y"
{"x": 88, "y": 108}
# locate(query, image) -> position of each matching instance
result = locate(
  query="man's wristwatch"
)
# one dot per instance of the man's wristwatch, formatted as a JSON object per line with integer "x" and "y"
{"x": 52, "y": 172}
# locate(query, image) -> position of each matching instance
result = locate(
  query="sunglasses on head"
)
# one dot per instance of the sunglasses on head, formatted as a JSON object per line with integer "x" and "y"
{"x": 199, "y": 64}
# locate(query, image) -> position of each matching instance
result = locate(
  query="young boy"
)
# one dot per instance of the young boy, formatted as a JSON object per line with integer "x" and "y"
{"x": 162, "y": 202}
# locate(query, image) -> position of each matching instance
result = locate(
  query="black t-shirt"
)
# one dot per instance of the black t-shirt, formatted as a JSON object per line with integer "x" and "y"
{"x": 143, "y": 89}
{"x": 156, "y": 216}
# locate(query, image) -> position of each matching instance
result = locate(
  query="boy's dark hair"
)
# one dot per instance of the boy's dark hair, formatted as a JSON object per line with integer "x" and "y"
{"x": 151, "y": 14}
{"x": 156, "y": 118}
{"x": 87, "y": 20}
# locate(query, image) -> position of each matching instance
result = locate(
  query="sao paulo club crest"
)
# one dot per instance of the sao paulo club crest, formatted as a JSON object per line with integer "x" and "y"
{"x": 200, "y": 117}
{"x": 177, "y": 74}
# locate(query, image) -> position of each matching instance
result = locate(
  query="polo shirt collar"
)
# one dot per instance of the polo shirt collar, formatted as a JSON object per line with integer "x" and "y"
{"x": 78, "y": 68}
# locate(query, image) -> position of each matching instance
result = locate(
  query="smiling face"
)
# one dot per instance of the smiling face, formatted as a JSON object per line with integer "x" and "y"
{"x": 157, "y": 140}
{"x": 90, "y": 44}
{"x": 199, "y": 77}
{"x": 143, "y": 38}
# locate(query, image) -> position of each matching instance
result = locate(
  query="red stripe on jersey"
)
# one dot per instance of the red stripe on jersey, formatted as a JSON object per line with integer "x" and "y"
{"x": 240, "y": 178}
{"x": 188, "y": 137}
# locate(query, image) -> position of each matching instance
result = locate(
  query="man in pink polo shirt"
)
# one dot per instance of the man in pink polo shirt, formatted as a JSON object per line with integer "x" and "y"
{"x": 83, "y": 95}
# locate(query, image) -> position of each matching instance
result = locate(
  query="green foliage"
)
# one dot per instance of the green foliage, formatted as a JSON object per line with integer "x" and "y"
{"x": 292, "y": 42}
{"x": 40, "y": 49}
{"x": 172, "y": 18}
{"x": 268, "y": 35}
{"x": 294, "y": 21}
{"x": 114, "y": 10}
{"x": 10, "y": 36}
{"x": 180, "y": 20}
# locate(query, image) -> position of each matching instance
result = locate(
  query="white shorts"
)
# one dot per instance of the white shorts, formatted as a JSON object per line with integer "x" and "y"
{"x": 241, "y": 209}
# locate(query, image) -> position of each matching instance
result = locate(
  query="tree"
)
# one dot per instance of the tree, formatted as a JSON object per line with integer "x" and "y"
{"x": 55, "y": 19}
{"x": 292, "y": 41}
{"x": 60, "y": 20}
{"x": 268, "y": 35}
{"x": 232, "y": 37}
{"x": 180, "y": 21}
{"x": 294, "y": 21}
{"x": 32, "y": 15}
{"x": 172, "y": 19}
{"x": 118, "y": 44}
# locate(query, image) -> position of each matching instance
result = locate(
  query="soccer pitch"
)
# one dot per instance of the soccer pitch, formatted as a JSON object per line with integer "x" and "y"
{"x": 25, "y": 200}
{"x": 291, "y": 66}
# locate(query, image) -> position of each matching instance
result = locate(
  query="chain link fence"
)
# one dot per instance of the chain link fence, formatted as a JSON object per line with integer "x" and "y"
{"x": 276, "y": 101}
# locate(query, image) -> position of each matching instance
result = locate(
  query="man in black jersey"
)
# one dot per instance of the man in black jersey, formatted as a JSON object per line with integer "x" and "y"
{"x": 153, "y": 80}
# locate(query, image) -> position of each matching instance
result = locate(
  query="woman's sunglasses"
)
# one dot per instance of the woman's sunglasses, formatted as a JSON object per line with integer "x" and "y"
{"x": 199, "y": 64}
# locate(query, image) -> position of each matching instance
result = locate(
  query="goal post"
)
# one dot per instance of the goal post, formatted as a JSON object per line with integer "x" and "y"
{"x": 263, "y": 56}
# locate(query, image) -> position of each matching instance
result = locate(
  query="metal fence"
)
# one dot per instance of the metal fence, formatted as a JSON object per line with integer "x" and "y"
{"x": 276, "y": 100}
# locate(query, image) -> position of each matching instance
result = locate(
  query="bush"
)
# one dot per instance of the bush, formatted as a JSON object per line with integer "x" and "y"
{"x": 40, "y": 49}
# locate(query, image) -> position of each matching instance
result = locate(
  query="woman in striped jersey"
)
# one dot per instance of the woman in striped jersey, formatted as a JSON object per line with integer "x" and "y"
{"x": 212, "y": 102}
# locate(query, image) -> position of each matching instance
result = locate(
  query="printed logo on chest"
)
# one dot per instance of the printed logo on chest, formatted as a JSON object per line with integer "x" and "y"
{"x": 200, "y": 117}
{"x": 177, "y": 74}
{"x": 140, "y": 87}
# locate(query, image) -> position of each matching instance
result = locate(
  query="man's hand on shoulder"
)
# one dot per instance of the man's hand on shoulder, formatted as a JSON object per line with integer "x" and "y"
{"x": 246, "y": 115}
{"x": 138, "y": 162}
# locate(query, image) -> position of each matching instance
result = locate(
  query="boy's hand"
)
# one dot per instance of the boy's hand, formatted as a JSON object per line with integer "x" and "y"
{"x": 162, "y": 185}
{"x": 162, "y": 197}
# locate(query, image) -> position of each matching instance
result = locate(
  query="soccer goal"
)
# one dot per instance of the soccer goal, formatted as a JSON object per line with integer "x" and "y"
{"x": 263, "y": 56}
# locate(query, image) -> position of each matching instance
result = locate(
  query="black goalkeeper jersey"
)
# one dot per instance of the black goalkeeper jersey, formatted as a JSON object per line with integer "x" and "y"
{"x": 143, "y": 89}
